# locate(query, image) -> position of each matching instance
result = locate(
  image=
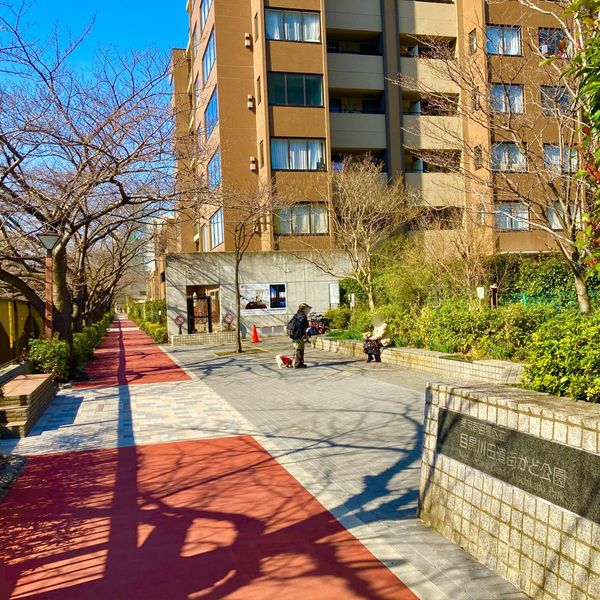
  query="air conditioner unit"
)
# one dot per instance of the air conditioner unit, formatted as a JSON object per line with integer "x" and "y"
{"x": 248, "y": 40}
{"x": 253, "y": 164}
{"x": 250, "y": 101}
{"x": 418, "y": 166}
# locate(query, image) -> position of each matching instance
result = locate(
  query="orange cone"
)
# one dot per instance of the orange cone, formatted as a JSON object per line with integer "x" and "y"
{"x": 255, "y": 339}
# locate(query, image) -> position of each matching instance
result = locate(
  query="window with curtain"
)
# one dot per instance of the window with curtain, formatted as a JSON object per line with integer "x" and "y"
{"x": 297, "y": 155}
{"x": 512, "y": 216}
{"x": 507, "y": 98}
{"x": 205, "y": 240}
{"x": 503, "y": 39}
{"x": 553, "y": 214}
{"x": 204, "y": 10}
{"x": 208, "y": 60}
{"x": 556, "y": 162}
{"x": 211, "y": 114}
{"x": 293, "y": 25}
{"x": 214, "y": 170}
{"x": 217, "y": 232}
{"x": 507, "y": 156}
{"x": 303, "y": 219}
{"x": 553, "y": 42}
{"x": 473, "y": 41}
{"x": 295, "y": 89}
{"x": 555, "y": 98}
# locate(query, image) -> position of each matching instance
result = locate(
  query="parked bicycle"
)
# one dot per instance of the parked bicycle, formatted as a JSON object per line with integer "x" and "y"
{"x": 317, "y": 325}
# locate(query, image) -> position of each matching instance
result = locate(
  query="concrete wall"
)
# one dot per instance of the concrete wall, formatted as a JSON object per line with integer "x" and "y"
{"x": 539, "y": 447}
{"x": 493, "y": 371}
{"x": 304, "y": 282}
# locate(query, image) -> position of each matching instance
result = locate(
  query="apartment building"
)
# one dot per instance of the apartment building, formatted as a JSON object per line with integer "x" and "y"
{"x": 283, "y": 90}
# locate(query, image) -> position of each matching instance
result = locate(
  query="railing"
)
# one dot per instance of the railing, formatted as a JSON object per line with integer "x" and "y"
{"x": 18, "y": 323}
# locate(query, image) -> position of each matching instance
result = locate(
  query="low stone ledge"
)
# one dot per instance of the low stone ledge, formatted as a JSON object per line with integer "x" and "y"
{"x": 493, "y": 371}
{"x": 513, "y": 477}
{"x": 204, "y": 339}
{"x": 11, "y": 371}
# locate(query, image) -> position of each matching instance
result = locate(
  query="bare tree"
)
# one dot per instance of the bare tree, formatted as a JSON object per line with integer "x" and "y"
{"x": 367, "y": 210}
{"x": 76, "y": 150}
{"x": 521, "y": 123}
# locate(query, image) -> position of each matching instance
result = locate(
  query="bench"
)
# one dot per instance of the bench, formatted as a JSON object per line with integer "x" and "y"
{"x": 26, "y": 397}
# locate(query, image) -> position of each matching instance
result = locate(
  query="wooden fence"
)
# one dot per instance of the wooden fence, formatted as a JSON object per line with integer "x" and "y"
{"x": 18, "y": 323}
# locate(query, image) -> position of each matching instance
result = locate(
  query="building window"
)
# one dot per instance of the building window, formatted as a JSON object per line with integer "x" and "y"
{"x": 552, "y": 42}
{"x": 473, "y": 41}
{"x": 217, "y": 232}
{"x": 503, "y": 39}
{"x": 475, "y": 99}
{"x": 297, "y": 155}
{"x": 211, "y": 114}
{"x": 204, "y": 10}
{"x": 205, "y": 240}
{"x": 256, "y": 32}
{"x": 195, "y": 38}
{"x": 258, "y": 91}
{"x": 208, "y": 60}
{"x": 512, "y": 216}
{"x": 261, "y": 154}
{"x": 507, "y": 98}
{"x": 277, "y": 295}
{"x": 198, "y": 90}
{"x": 478, "y": 157}
{"x": 294, "y": 89}
{"x": 507, "y": 156}
{"x": 303, "y": 219}
{"x": 554, "y": 216}
{"x": 553, "y": 159}
{"x": 293, "y": 25}
{"x": 555, "y": 98}
{"x": 214, "y": 171}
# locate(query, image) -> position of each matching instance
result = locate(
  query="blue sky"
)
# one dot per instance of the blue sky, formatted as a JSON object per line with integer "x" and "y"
{"x": 124, "y": 24}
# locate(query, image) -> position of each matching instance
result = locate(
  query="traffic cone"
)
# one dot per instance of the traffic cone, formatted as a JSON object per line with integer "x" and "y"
{"x": 255, "y": 339}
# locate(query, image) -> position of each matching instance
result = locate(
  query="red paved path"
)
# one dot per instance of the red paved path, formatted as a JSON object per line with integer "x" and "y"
{"x": 204, "y": 519}
{"x": 193, "y": 520}
{"x": 127, "y": 357}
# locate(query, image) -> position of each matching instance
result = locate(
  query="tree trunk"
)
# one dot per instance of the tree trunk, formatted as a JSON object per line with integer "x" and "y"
{"x": 369, "y": 290}
{"x": 238, "y": 306}
{"x": 583, "y": 295}
{"x": 63, "y": 304}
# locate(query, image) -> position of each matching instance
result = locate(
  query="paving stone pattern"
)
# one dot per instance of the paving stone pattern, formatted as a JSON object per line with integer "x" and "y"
{"x": 350, "y": 433}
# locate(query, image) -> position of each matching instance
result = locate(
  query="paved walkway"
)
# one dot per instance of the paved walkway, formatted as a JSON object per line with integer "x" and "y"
{"x": 213, "y": 483}
{"x": 215, "y": 516}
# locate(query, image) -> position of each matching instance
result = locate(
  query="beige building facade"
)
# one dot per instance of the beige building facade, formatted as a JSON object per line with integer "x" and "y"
{"x": 282, "y": 91}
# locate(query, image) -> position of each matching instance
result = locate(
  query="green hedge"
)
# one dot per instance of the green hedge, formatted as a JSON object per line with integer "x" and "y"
{"x": 52, "y": 357}
{"x": 156, "y": 331}
{"x": 55, "y": 357}
{"x": 564, "y": 357}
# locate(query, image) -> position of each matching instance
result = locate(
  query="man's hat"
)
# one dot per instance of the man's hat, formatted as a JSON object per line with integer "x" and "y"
{"x": 303, "y": 307}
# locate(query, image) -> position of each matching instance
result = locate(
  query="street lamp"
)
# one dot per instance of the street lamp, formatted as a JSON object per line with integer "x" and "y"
{"x": 49, "y": 241}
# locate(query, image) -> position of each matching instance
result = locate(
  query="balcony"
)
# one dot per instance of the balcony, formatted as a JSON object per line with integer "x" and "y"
{"x": 355, "y": 72}
{"x": 427, "y": 18}
{"x": 354, "y": 15}
{"x": 435, "y": 133}
{"x": 438, "y": 189}
{"x": 429, "y": 72}
{"x": 358, "y": 131}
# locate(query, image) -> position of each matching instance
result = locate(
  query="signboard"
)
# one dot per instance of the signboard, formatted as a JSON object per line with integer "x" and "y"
{"x": 263, "y": 298}
{"x": 560, "y": 474}
{"x": 334, "y": 293}
{"x": 481, "y": 293}
{"x": 179, "y": 320}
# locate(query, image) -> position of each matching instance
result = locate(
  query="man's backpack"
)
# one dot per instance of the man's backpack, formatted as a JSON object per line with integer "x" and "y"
{"x": 295, "y": 328}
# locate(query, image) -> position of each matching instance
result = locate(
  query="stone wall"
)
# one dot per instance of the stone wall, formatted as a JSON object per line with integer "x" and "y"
{"x": 544, "y": 453}
{"x": 204, "y": 339}
{"x": 492, "y": 371}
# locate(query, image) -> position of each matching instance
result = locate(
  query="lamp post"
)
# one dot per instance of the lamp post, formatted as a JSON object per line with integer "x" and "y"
{"x": 49, "y": 241}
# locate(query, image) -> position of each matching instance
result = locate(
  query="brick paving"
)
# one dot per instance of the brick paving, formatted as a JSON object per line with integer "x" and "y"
{"x": 348, "y": 432}
{"x": 160, "y": 490}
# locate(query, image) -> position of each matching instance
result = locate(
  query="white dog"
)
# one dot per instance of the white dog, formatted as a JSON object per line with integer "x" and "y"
{"x": 283, "y": 362}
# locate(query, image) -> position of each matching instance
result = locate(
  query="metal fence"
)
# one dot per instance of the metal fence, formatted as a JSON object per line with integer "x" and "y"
{"x": 18, "y": 323}
{"x": 566, "y": 299}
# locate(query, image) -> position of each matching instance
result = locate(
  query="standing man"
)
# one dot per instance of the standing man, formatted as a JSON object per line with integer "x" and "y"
{"x": 297, "y": 328}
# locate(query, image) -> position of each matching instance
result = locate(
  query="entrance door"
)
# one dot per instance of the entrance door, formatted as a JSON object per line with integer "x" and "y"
{"x": 199, "y": 315}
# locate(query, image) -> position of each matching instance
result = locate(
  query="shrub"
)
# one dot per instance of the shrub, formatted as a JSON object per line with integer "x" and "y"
{"x": 50, "y": 357}
{"x": 161, "y": 335}
{"x": 339, "y": 318}
{"x": 564, "y": 357}
{"x": 360, "y": 321}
